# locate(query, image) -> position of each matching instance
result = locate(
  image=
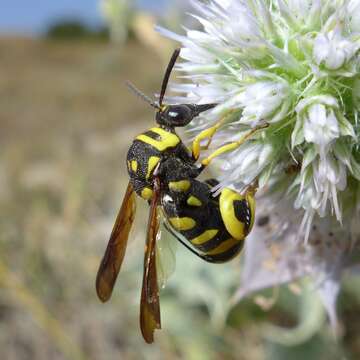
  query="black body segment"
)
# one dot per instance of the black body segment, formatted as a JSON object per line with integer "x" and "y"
{"x": 165, "y": 172}
{"x": 214, "y": 226}
{"x": 150, "y": 149}
{"x": 194, "y": 213}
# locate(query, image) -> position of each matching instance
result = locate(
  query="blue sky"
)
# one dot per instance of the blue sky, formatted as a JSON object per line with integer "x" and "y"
{"x": 33, "y": 16}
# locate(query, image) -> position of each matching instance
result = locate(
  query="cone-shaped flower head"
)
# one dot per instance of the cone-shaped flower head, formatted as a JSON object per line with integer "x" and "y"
{"x": 295, "y": 65}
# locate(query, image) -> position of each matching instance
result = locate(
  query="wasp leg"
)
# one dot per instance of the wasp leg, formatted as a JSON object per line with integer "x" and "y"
{"x": 207, "y": 134}
{"x": 252, "y": 188}
{"x": 233, "y": 145}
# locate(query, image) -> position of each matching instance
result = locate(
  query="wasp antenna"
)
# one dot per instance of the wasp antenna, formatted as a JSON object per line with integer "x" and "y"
{"x": 141, "y": 95}
{"x": 172, "y": 62}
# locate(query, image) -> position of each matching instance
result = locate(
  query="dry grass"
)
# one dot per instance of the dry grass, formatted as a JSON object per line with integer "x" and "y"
{"x": 66, "y": 120}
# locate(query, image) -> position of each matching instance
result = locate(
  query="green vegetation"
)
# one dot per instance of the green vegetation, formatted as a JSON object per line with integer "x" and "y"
{"x": 76, "y": 30}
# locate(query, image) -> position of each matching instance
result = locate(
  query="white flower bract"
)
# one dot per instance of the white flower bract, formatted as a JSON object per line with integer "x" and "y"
{"x": 295, "y": 65}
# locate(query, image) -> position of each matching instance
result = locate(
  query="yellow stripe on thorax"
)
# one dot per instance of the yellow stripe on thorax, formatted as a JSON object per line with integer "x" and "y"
{"x": 235, "y": 227}
{"x": 184, "y": 223}
{"x": 168, "y": 139}
{"x": 223, "y": 247}
{"x": 153, "y": 161}
{"x": 134, "y": 165}
{"x": 204, "y": 237}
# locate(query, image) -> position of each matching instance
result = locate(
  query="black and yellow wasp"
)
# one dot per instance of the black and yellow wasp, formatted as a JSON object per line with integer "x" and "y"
{"x": 164, "y": 172}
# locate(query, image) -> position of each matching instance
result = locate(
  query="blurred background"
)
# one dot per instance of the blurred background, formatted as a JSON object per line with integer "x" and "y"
{"x": 66, "y": 122}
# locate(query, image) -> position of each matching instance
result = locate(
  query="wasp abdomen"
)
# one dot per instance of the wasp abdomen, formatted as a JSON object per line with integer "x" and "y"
{"x": 237, "y": 212}
{"x": 216, "y": 226}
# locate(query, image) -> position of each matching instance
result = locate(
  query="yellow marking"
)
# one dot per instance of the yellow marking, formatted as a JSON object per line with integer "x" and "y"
{"x": 235, "y": 227}
{"x": 168, "y": 139}
{"x": 193, "y": 201}
{"x": 182, "y": 185}
{"x": 204, "y": 237}
{"x": 223, "y": 247}
{"x": 207, "y": 134}
{"x": 146, "y": 193}
{"x": 233, "y": 145}
{"x": 134, "y": 165}
{"x": 184, "y": 223}
{"x": 153, "y": 161}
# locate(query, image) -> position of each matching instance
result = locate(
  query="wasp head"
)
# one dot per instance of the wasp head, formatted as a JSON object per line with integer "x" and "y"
{"x": 180, "y": 115}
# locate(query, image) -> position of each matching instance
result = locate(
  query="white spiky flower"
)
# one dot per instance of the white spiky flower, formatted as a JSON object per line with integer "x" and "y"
{"x": 294, "y": 64}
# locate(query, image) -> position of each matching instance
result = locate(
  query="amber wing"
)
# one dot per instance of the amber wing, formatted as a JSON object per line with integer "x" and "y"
{"x": 115, "y": 251}
{"x": 150, "y": 305}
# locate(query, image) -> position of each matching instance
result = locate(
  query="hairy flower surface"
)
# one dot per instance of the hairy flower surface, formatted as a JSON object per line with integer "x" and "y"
{"x": 295, "y": 65}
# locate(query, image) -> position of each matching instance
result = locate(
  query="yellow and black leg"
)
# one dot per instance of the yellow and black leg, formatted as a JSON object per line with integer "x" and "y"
{"x": 232, "y": 145}
{"x": 207, "y": 134}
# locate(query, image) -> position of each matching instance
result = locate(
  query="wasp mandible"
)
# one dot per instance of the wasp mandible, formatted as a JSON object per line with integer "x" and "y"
{"x": 165, "y": 173}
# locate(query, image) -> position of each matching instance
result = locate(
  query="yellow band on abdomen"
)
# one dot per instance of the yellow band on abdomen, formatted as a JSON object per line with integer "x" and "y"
{"x": 193, "y": 201}
{"x": 204, "y": 237}
{"x": 181, "y": 186}
{"x": 182, "y": 224}
{"x": 223, "y": 247}
{"x": 235, "y": 227}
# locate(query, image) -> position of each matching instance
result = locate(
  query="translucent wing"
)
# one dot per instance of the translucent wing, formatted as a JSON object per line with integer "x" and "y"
{"x": 149, "y": 304}
{"x": 115, "y": 251}
{"x": 166, "y": 247}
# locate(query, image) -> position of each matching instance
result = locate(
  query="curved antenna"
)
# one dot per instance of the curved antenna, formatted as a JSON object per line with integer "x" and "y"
{"x": 141, "y": 95}
{"x": 172, "y": 62}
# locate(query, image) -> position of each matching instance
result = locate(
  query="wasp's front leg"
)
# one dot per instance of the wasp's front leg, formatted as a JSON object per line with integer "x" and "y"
{"x": 232, "y": 145}
{"x": 207, "y": 134}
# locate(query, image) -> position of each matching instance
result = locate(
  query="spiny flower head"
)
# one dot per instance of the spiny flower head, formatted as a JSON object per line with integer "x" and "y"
{"x": 293, "y": 64}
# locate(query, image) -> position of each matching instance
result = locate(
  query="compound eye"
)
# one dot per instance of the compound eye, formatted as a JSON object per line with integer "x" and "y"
{"x": 179, "y": 115}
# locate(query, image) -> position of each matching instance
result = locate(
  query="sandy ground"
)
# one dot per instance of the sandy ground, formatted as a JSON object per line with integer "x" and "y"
{"x": 66, "y": 121}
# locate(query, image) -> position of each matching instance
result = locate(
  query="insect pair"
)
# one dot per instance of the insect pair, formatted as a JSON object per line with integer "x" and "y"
{"x": 165, "y": 173}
